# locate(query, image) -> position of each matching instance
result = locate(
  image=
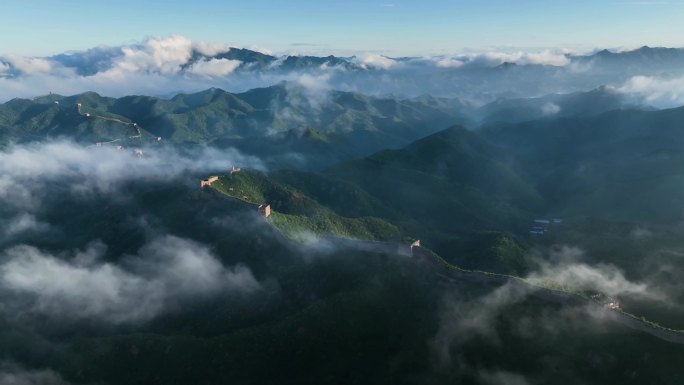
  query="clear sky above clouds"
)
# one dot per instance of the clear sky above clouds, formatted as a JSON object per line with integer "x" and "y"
{"x": 398, "y": 27}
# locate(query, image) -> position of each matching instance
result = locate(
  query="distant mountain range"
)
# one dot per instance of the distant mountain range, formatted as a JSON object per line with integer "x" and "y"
{"x": 576, "y": 104}
{"x": 644, "y": 59}
{"x": 166, "y": 67}
{"x": 284, "y": 123}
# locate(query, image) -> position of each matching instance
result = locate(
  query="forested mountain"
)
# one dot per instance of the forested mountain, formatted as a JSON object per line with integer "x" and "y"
{"x": 286, "y": 122}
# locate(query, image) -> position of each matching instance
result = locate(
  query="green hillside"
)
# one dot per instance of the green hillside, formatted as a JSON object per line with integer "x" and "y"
{"x": 469, "y": 195}
{"x": 444, "y": 189}
{"x": 313, "y": 318}
{"x": 622, "y": 165}
{"x": 577, "y": 104}
{"x": 54, "y": 117}
{"x": 285, "y": 124}
{"x": 454, "y": 187}
{"x": 444, "y": 186}
{"x": 296, "y": 215}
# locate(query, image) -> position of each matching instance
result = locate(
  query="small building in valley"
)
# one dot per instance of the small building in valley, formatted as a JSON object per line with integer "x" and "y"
{"x": 543, "y": 226}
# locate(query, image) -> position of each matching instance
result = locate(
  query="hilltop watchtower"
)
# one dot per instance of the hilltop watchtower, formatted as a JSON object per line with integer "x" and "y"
{"x": 264, "y": 210}
{"x": 208, "y": 181}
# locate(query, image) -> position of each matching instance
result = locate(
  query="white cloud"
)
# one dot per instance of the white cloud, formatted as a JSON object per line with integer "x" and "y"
{"x": 550, "y": 108}
{"x": 165, "y": 273}
{"x": 214, "y": 67}
{"x": 641, "y": 233}
{"x": 211, "y": 49}
{"x": 378, "y": 62}
{"x": 305, "y": 94}
{"x": 163, "y": 55}
{"x": 490, "y": 59}
{"x": 501, "y": 377}
{"x": 463, "y": 320}
{"x": 158, "y": 66}
{"x": 657, "y": 91}
{"x": 22, "y": 223}
{"x": 26, "y": 169}
{"x": 564, "y": 267}
{"x": 544, "y": 58}
{"x": 168, "y": 56}
{"x": 602, "y": 278}
{"x": 579, "y": 67}
{"x": 11, "y": 374}
{"x": 314, "y": 83}
{"x": 116, "y": 82}
{"x": 448, "y": 62}
{"x": 259, "y": 49}
{"x": 30, "y": 65}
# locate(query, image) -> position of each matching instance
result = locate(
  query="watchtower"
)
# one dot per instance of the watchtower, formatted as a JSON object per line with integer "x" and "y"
{"x": 264, "y": 210}
{"x": 208, "y": 181}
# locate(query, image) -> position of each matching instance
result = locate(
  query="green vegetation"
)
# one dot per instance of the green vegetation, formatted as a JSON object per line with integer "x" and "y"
{"x": 55, "y": 116}
{"x": 489, "y": 250}
{"x": 442, "y": 189}
{"x": 299, "y": 227}
{"x": 302, "y": 218}
{"x": 543, "y": 284}
{"x": 296, "y": 215}
{"x": 470, "y": 194}
{"x": 299, "y": 217}
{"x": 618, "y": 166}
{"x": 273, "y": 123}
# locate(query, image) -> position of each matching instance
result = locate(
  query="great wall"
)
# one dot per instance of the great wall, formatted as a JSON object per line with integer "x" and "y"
{"x": 449, "y": 271}
{"x": 551, "y": 294}
{"x": 138, "y": 152}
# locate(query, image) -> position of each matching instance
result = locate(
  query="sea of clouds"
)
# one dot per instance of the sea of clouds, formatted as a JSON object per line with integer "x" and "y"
{"x": 163, "y": 66}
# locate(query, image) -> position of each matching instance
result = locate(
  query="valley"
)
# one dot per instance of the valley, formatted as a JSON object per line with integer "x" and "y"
{"x": 342, "y": 232}
{"x": 175, "y": 211}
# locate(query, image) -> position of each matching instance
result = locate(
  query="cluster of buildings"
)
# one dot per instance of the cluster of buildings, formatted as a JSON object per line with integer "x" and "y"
{"x": 543, "y": 226}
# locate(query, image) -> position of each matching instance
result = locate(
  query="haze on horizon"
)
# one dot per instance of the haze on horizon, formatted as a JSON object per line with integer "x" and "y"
{"x": 401, "y": 27}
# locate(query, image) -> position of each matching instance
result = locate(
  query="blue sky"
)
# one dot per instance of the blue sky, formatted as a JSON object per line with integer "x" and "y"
{"x": 393, "y": 27}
